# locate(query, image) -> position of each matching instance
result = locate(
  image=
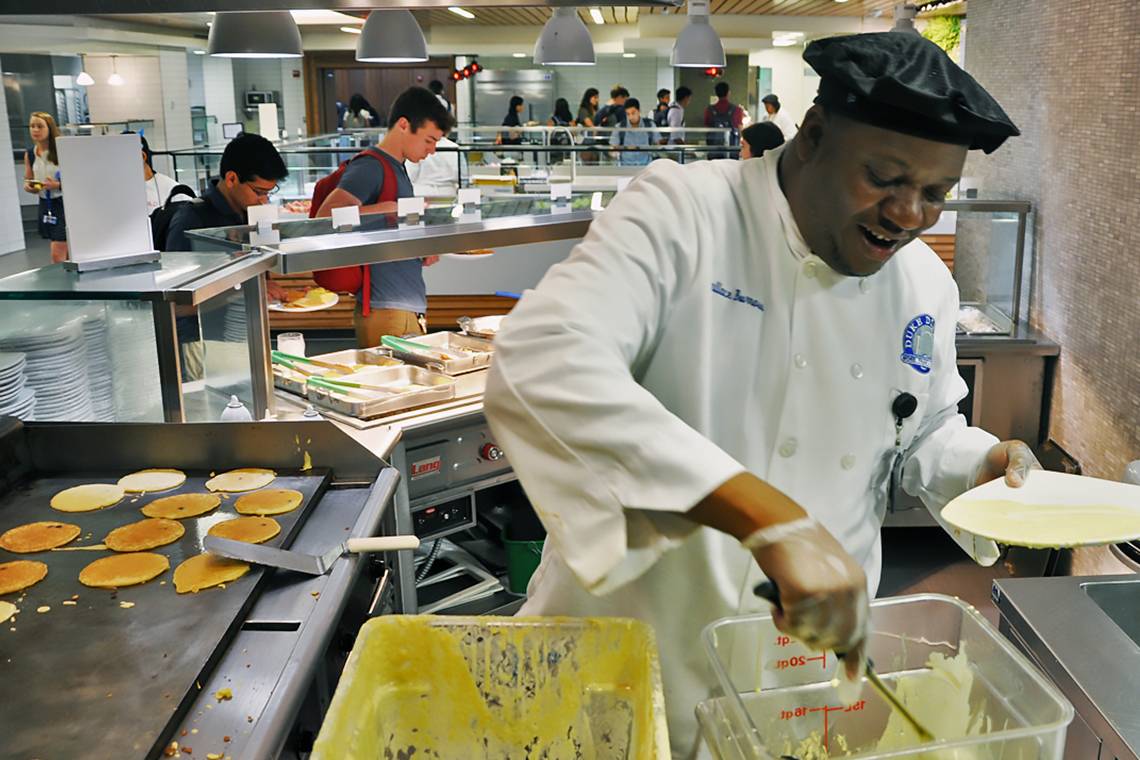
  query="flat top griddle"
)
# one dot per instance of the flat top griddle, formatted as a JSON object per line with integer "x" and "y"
{"x": 98, "y": 680}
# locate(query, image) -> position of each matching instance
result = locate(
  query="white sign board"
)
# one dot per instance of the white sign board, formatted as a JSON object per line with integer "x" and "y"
{"x": 560, "y": 191}
{"x": 267, "y": 120}
{"x": 409, "y": 206}
{"x": 104, "y": 198}
{"x": 345, "y": 216}
{"x": 472, "y": 195}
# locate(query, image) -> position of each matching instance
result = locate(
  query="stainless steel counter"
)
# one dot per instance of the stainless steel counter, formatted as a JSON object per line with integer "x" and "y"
{"x": 310, "y": 244}
{"x": 1084, "y": 633}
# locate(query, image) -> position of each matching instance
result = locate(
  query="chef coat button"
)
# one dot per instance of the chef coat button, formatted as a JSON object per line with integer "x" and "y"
{"x": 857, "y": 371}
{"x": 788, "y": 447}
{"x": 800, "y": 360}
{"x": 809, "y": 269}
{"x": 847, "y": 462}
{"x": 865, "y": 285}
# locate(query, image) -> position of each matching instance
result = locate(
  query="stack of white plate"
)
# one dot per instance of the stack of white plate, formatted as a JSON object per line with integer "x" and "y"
{"x": 99, "y": 367}
{"x": 134, "y": 353}
{"x": 55, "y": 364}
{"x": 16, "y": 398}
{"x": 235, "y": 323}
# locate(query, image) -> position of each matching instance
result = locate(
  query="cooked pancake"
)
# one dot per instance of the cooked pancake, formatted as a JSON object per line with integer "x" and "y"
{"x": 274, "y": 501}
{"x": 182, "y": 505}
{"x": 38, "y": 536}
{"x": 121, "y": 570}
{"x": 7, "y": 610}
{"x": 205, "y": 570}
{"x": 245, "y": 479}
{"x": 252, "y": 530}
{"x": 149, "y": 481}
{"x": 18, "y": 575}
{"x": 144, "y": 534}
{"x": 87, "y": 498}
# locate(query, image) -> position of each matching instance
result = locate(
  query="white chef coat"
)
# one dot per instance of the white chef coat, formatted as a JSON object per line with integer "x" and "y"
{"x": 438, "y": 174}
{"x": 785, "y": 122}
{"x": 691, "y": 336}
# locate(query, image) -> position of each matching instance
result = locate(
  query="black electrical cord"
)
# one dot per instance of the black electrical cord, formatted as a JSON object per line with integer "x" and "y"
{"x": 425, "y": 568}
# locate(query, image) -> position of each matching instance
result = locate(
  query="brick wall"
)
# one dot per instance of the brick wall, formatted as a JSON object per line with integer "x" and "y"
{"x": 1069, "y": 75}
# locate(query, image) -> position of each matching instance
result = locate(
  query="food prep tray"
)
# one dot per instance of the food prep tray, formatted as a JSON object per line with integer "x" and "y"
{"x": 488, "y": 687}
{"x": 297, "y": 383}
{"x": 467, "y": 353}
{"x": 403, "y": 393}
{"x": 481, "y": 327}
{"x": 75, "y": 671}
{"x": 773, "y": 694}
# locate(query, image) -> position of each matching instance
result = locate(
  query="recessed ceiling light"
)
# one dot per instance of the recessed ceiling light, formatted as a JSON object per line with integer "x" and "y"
{"x": 518, "y": 55}
{"x": 461, "y": 11}
{"x": 596, "y": 15}
{"x": 629, "y": 55}
{"x": 351, "y": 29}
{"x": 199, "y": 52}
{"x": 787, "y": 39}
{"x": 327, "y": 18}
{"x": 840, "y": 1}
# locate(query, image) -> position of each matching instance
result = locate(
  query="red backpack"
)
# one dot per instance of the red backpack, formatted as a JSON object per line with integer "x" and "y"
{"x": 354, "y": 279}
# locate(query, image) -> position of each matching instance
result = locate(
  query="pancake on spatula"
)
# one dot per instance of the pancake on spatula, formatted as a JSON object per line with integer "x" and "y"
{"x": 1051, "y": 510}
{"x": 87, "y": 498}
{"x": 149, "y": 481}
{"x": 244, "y": 479}
{"x": 144, "y": 534}
{"x": 272, "y": 501}
{"x": 18, "y": 575}
{"x": 204, "y": 571}
{"x": 252, "y": 530}
{"x": 38, "y": 536}
{"x": 182, "y": 505}
{"x": 121, "y": 570}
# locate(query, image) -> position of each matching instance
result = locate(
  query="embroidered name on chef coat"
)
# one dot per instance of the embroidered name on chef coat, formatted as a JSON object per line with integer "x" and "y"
{"x": 918, "y": 343}
{"x": 736, "y": 295}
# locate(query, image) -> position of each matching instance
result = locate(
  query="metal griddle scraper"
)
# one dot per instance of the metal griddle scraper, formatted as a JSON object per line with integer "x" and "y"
{"x": 310, "y": 564}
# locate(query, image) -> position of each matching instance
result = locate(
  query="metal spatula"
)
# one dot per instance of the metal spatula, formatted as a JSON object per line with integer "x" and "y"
{"x": 770, "y": 591}
{"x": 310, "y": 564}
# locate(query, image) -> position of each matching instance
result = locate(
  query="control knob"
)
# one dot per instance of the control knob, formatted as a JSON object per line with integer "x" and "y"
{"x": 491, "y": 452}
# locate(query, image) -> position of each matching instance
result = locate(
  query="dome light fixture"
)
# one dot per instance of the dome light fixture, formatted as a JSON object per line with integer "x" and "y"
{"x": 698, "y": 45}
{"x": 565, "y": 41}
{"x": 254, "y": 34}
{"x": 116, "y": 79}
{"x": 84, "y": 79}
{"x": 391, "y": 36}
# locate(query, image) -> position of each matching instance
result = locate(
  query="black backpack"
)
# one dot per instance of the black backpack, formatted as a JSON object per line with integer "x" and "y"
{"x": 161, "y": 217}
{"x": 661, "y": 115}
{"x": 723, "y": 120}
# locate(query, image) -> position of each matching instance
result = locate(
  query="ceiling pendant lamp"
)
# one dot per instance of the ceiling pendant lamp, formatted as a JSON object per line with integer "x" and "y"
{"x": 565, "y": 41}
{"x": 698, "y": 45}
{"x": 391, "y": 36}
{"x": 116, "y": 79}
{"x": 254, "y": 34}
{"x": 84, "y": 79}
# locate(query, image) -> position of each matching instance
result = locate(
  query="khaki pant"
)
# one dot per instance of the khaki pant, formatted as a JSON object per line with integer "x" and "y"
{"x": 380, "y": 322}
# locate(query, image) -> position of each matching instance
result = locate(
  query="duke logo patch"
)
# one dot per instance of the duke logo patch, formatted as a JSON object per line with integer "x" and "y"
{"x": 736, "y": 295}
{"x": 918, "y": 343}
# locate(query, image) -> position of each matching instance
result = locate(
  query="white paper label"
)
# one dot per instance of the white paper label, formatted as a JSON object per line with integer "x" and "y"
{"x": 596, "y": 201}
{"x": 560, "y": 190}
{"x": 345, "y": 216}
{"x": 407, "y": 206}
{"x": 471, "y": 195}
{"x": 264, "y": 213}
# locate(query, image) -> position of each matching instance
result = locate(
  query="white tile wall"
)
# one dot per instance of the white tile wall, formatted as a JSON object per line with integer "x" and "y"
{"x": 218, "y": 83}
{"x": 11, "y": 228}
{"x": 293, "y": 96}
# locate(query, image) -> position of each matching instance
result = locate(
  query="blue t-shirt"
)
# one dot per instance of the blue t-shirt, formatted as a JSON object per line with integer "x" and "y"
{"x": 396, "y": 284}
{"x": 635, "y": 136}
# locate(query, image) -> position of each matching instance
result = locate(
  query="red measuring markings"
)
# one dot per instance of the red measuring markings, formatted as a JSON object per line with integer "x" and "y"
{"x": 803, "y": 712}
{"x": 798, "y": 661}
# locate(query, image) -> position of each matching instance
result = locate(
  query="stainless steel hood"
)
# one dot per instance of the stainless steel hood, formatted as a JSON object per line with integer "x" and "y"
{"x": 19, "y": 7}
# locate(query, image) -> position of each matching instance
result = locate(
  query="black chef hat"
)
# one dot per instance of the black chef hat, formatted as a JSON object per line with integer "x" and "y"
{"x": 904, "y": 82}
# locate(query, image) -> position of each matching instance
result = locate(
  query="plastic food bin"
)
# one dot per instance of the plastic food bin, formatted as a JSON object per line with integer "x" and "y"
{"x": 498, "y": 687}
{"x": 773, "y": 694}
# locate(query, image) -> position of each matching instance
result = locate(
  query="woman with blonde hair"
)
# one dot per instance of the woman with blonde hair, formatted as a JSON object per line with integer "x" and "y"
{"x": 41, "y": 176}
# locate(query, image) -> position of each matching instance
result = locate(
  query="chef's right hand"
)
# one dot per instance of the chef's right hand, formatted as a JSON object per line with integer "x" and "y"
{"x": 823, "y": 591}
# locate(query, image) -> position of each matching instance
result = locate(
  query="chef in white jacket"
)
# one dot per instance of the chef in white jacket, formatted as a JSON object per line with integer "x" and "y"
{"x": 714, "y": 387}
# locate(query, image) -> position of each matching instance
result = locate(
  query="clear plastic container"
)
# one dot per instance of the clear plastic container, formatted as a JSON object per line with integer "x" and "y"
{"x": 498, "y": 688}
{"x": 773, "y": 694}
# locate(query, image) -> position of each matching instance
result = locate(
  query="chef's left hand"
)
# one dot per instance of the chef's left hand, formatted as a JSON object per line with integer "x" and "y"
{"x": 1013, "y": 459}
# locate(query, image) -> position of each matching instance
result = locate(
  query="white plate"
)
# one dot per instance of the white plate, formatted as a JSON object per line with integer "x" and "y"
{"x": 303, "y": 309}
{"x": 1051, "y": 510}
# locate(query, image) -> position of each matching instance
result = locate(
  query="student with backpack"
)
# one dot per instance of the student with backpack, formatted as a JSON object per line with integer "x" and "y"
{"x": 723, "y": 114}
{"x": 612, "y": 114}
{"x": 391, "y": 297}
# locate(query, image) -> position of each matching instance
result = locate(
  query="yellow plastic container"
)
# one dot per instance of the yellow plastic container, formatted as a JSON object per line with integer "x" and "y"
{"x": 498, "y": 687}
